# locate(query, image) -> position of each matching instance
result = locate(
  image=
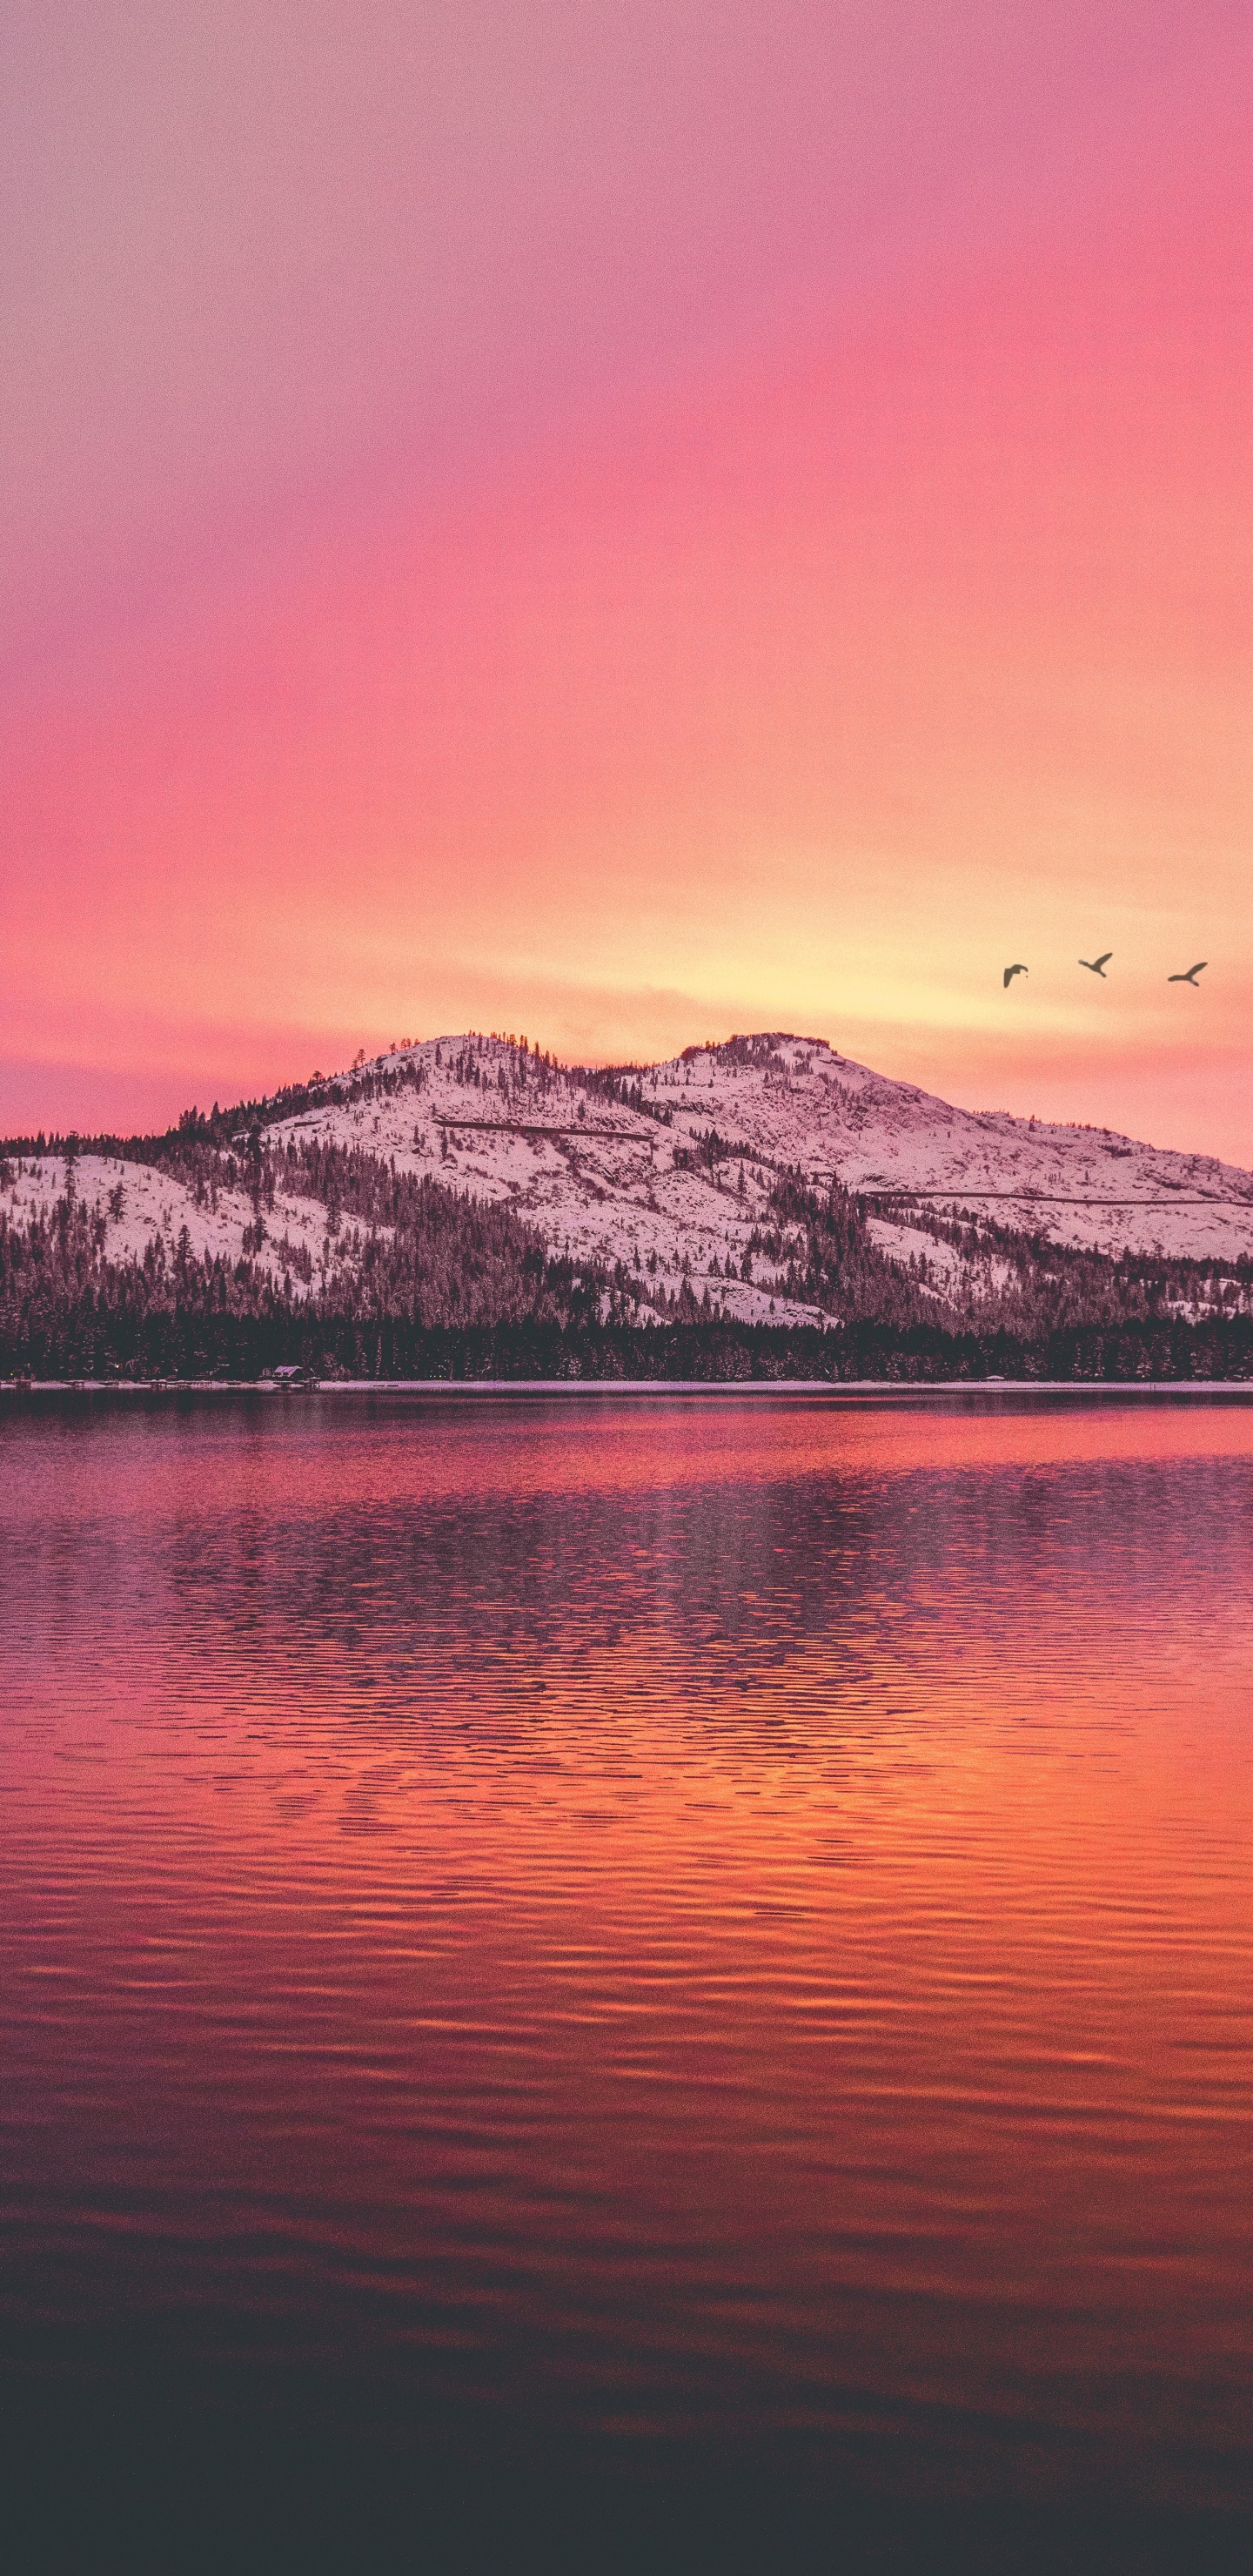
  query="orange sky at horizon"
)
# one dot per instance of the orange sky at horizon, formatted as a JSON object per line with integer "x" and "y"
{"x": 796, "y": 665}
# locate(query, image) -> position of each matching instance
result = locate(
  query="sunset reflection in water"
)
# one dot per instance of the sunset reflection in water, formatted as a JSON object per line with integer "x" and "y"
{"x": 623, "y": 1927}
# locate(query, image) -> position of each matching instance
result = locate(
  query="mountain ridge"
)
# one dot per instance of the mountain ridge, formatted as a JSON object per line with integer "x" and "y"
{"x": 764, "y": 1181}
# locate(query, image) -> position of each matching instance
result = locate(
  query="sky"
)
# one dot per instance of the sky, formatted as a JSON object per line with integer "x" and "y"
{"x": 627, "y": 523}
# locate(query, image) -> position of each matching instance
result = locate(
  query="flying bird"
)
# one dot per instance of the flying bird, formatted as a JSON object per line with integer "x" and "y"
{"x": 1010, "y": 973}
{"x": 1097, "y": 965}
{"x": 1191, "y": 976}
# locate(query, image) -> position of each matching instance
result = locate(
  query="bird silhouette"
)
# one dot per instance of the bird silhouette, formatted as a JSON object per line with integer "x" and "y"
{"x": 1191, "y": 976}
{"x": 1010, "y": 973}
{"x": 1097, "y": 965}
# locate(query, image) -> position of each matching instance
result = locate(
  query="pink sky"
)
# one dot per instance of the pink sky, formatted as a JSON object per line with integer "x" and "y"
{"x": 628, "y": 524}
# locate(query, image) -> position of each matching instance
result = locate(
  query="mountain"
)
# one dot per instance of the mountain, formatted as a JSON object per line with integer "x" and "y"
{"x": 767, "y": 1181}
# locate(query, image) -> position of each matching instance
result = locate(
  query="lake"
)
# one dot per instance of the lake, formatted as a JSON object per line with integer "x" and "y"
{"x": 631, "y": 1965}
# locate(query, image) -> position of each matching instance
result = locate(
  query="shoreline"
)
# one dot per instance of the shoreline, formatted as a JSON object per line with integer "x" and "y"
{"x": 901, "y": 1389}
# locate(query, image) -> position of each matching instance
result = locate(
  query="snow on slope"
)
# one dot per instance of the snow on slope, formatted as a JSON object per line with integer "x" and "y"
{"x": 601, "y": 1182}
{"x": 136, "y": 1201}
{"x": 798, "y": 1101}
{"x": 598, "y": 1181}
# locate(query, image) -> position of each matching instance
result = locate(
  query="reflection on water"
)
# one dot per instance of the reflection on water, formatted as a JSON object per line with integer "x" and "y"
{"x": 584, "y": 1929}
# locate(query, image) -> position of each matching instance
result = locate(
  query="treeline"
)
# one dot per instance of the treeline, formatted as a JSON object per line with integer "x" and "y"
{"x": 217, "y": 1130}
{"x": 443, "y": 1264}
{"x": 821, "y": 1252}
{"x": 916, "y": 1354}
{"x": 415, "y": 1280}
{"x": 621, "y": 1085}
{"x": 721, "y": 1353}
{"x": 175, "y": 1344}
{"x": 226, "y": 1139}
{"x": 467, "y": 1292}
{"x": 1031, "y": 1284}
{"x": 407, "y": 1277}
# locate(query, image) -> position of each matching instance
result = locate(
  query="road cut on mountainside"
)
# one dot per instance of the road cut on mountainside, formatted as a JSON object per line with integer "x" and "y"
{"x": 669, "y": 1172}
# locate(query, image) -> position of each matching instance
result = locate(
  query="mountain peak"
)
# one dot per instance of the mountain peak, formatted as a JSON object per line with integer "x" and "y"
{"x": 697, "y": 1169}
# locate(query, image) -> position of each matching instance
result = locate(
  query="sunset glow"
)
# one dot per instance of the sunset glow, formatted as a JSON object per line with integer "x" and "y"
{"x": 683, "y": 522}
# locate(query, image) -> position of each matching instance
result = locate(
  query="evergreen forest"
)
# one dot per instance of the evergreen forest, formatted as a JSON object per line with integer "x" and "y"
{"x": 420, "y": 1280}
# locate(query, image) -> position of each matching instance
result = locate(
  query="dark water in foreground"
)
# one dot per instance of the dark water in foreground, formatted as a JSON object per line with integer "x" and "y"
{"x": 644, "y": 1957}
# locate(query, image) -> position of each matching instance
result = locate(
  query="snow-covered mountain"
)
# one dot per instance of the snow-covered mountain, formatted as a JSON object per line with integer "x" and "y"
{"x": 668, "y": 1171}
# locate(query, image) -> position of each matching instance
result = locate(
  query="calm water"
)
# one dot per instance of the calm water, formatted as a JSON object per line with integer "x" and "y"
{"x": 654, "y": 1940}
